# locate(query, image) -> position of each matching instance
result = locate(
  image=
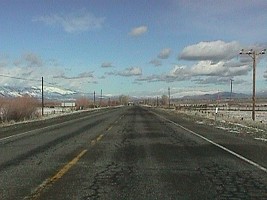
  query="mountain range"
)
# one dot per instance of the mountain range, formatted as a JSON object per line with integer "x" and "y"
{"x": 56, "y": 93}
{"x": 49, "y": 92}
{"x": 224, "y": 96}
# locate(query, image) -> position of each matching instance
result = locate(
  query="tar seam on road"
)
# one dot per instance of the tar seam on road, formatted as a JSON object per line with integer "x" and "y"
{"x": 214, "y": 143}
{"x": 50, "y": 181}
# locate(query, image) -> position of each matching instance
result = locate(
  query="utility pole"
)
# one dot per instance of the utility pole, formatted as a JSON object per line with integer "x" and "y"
{"x": 169, "y": 90}
{"x": 253, "y": 54}
{"x": 94, "y": 99}
{"x": 231, "y": 81}
{"x": 101, "y": 99}
{"x": 42, "y": 96}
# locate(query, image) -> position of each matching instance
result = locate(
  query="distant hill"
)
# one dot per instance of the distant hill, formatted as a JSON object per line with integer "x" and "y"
{"x": 49, "y": 92}
{"x": 262, "y": 94}
{"x": 215, "y": 96}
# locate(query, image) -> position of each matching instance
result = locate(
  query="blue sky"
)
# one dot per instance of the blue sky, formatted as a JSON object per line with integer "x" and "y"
{"x": 136, "y": 48}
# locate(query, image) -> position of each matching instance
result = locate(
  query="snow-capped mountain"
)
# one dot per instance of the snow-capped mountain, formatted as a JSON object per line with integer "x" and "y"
{"x": 49, "y": 92}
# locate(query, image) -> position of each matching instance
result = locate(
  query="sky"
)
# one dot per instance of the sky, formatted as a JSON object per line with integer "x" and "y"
{"x": 137, "y": 48}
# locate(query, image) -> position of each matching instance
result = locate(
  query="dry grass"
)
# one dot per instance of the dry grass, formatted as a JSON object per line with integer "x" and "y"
{"x": 18, "y": 109}
{"x": 82, "y": 103}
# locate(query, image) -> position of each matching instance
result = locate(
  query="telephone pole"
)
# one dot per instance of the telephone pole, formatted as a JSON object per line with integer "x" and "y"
{"x": 253, "y": 54}
{"x": 169, "y": 90}
{"x": 94, "y": 99}
{"x": 42, "y": 96}
{"x": 231, "y": 82}
{"x": 101, "y": 99}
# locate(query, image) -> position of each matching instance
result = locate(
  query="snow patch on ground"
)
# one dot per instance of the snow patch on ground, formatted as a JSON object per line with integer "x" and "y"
{"x": 234, "y": 122}
{"x": 262, "y": 139}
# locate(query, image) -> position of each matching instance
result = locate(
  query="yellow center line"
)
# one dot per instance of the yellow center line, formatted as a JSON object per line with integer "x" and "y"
{"x": 109, "y": 128}
{"x": 50, "y": 181}
{"x": 93, "y": 142}
{"x": 99, "y": 137}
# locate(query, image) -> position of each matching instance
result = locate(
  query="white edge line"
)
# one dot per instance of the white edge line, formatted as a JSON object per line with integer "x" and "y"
{"x": 217, "y": 145}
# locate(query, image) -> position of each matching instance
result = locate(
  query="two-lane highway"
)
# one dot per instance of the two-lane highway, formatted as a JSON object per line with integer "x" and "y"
{"x": 131, "y": 153}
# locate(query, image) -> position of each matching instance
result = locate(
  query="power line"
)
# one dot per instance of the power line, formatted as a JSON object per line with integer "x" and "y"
{"x": 19, "y": 78}
{"x": 253, "y": 54}
{"x": 35, "y": 80}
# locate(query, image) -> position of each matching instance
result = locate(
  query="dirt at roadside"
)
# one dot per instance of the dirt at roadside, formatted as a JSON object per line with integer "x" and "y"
{"x": 257, "y": 130}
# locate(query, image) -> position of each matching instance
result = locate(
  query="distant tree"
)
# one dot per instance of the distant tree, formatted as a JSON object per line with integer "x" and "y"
{"x": 124, "y": 100}
{"x": 164, "y": 100}
{"x": 82, "y": 103}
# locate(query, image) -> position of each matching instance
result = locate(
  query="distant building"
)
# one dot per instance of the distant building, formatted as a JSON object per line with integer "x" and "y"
{"x": 68, "y": 104}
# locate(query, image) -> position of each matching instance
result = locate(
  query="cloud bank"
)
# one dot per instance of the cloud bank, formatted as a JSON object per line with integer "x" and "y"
{"x": 214, "y": 51}
{"x": 74, "y": 22}
{"x": 131, "y": 71}
{"x": 215, "y": 62}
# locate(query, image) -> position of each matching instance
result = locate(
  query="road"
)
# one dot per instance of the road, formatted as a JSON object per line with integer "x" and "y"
{"x": 130, "y": 153}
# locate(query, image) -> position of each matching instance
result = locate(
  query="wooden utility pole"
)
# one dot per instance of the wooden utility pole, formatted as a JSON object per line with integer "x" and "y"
{"x": 94, "y": 99}
{"x": 169, "y": 90}
{"x": 42, "y": 96}
{"x": 254, "y": 85}
{"x": 253, "y": 54}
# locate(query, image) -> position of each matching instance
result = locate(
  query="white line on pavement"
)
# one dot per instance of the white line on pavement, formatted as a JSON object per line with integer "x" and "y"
{"x": 214, "y": 143}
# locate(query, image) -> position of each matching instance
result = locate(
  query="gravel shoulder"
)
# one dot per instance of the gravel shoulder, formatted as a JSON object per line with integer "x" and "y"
{"x": 242, "y": 128}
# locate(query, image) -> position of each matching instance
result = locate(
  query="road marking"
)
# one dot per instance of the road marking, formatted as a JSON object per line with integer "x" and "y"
{"x": 99, "y": 137}
{"x": 217, "y": 145}
{"x": 50, "y": 181}
{"x": 17, "y": 135}
{"x": 93, "y": 142}
{"x": 109, "y": 128}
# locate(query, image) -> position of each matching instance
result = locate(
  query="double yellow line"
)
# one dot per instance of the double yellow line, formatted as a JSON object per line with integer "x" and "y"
{"x": 50, "y": 181}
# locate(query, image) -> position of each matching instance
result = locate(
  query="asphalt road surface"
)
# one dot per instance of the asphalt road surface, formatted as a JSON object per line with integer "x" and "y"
{"x": 130, "y": 153}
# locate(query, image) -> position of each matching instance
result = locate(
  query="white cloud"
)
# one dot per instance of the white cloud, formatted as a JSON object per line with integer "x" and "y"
{"x": 73, "y": 22}
{"x": 29, "y": 60}
{"x": 106, "y": 65}
{"x": 30, "y": 68}
{"x": 3, "y": 59}
{"x": 79, "y": 76}
{"x": 220, "y": 69}
{"x": 223, "y": 70}
{"x": 214, "y": 51}
{"x": 155, "y": 62}
{"x": 165, "y": 53}
{"x": 138, "y": 31}
{"x": 131, "y": 71}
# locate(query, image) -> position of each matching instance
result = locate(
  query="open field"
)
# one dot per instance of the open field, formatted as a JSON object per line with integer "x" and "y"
{"x": 238, "y": 109}
{"x": 235, "y": 122}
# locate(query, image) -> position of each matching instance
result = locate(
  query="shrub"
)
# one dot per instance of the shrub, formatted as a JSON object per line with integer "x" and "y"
{"x": 19, "y": 108}
{"x": 82, "y": 103}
